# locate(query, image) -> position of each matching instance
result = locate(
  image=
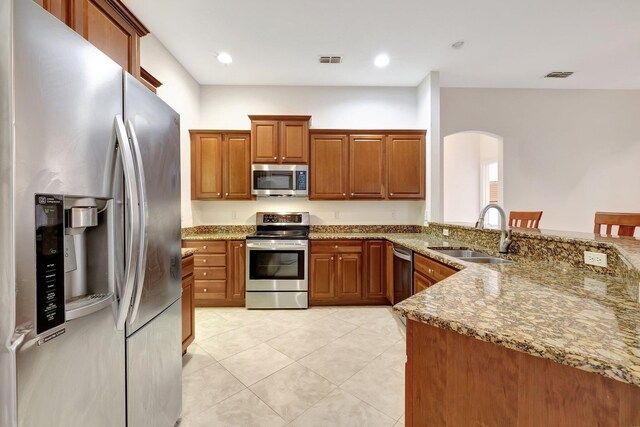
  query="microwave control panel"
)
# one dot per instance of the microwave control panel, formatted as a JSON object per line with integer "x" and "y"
{"x": 50, "y": 310}
{"x": 301, "y": 180}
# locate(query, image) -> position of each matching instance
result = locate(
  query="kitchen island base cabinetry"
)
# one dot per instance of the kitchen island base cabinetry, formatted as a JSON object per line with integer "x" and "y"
{"x": 457, "y": 380}
{"x": 188, "y": 311}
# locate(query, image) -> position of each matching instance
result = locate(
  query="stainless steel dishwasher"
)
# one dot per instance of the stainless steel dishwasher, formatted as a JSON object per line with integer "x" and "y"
{"x": 402, "y": 273}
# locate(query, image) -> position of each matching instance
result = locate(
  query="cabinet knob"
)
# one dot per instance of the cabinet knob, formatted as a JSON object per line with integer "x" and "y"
{"x": 331, "y": 258}
{"x": 241, "y": 245}
{"x": 204, "y": 274}
{"x": 353, "y": 194}
{"x": 275, "y": 158}
{"x": 226, "y": 194}
{"x": 430, "y": 271}
{"x": 283, "y": 158}
{"x": 344, "y": 194}
{"x": 340, "y": 258}
{"x": 205, "y": 289}
{"x": 204, "y": 260}
{"x": 204, "y": 247}
{"x": 218, "y": 194}
{"x": 336, "y": 246}
{"x": 392, "y": 194}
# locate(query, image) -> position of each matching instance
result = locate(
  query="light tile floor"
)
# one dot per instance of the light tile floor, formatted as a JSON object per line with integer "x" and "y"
{"x": 334, "y": 366}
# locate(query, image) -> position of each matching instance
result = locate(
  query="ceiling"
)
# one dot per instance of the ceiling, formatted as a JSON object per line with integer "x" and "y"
{"x": 508, "y": 43}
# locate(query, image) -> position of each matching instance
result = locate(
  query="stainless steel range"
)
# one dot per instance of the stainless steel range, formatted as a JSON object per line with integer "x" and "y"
{"x": 277, "y": 261}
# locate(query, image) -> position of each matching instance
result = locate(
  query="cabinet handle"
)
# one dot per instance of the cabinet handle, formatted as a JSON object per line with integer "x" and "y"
{"x": 430, "y": 271}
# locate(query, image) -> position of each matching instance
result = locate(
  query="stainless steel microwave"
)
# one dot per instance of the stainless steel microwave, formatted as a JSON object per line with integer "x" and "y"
{"x": 280, "y": 180}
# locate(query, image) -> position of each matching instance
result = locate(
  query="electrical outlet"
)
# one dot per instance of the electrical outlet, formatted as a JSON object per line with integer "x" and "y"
{"x": 595, "y": 258}
{"x": 445, "y": 231}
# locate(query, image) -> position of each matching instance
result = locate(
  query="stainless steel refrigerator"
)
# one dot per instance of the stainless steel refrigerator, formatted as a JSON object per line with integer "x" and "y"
{"x": 90, "y": 262}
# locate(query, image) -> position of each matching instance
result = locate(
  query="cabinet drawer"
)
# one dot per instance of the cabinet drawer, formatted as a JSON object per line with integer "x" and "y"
{"x": 216, "y": 260}
{"x": 210, "y": 273}
{"x": 432, "y": 269}
{"x": 420, "y": 282}
{"x": 210, "y": 290}
{"x": 336, "y": 246}
{"x": 187, "y": 266}
{"x": 206, "y": 246}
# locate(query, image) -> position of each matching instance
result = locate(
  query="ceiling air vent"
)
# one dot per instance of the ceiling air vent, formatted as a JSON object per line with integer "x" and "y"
{"x": 332, "y": 59}
{"x": 558, "y": 75}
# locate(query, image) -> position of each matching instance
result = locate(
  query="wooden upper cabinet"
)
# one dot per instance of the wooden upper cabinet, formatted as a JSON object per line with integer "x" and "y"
{"x": 206, "y": 166}
{"x": 237, "y": 166}
{"x": 329, "y": 165}
{"x": 107, "y": 24}
{"x": 280, "y": 139}
{"x": 406, "y": 166}
{"x": 294, "y": 141}
{"x": 367, "y": 166}
{"x": 264, "y": 140}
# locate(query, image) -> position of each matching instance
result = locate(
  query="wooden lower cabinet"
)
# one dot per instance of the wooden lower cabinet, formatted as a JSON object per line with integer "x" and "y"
{"x": 219, "y": 273}
{"x": 388, "y": 271}
{"x": 188, "y": 312}
{"x": 347, "y": 272}
{"x": 457, "y": 380}
{"x": 428, "y": 272}
{"x": 420, "y": 282}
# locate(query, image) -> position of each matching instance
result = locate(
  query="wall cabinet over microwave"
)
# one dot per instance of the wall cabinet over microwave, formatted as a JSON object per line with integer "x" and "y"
{"x": 280, "y": 139}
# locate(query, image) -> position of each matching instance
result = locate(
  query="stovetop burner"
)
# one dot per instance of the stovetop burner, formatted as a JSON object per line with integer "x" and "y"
{"x": 281, "y": 225}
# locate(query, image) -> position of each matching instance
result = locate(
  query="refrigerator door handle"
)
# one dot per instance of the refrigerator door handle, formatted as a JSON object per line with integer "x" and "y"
{"x": 133, "y": 235}
{"x": 144, "y": 217}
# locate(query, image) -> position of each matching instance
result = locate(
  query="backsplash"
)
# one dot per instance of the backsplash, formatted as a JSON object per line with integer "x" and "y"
{"x": 366, "y": 228}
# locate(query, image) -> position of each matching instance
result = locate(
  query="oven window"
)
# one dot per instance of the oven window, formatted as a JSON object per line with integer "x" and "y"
{"x": 272, "y": 265}
{"x": 272, "y": 180}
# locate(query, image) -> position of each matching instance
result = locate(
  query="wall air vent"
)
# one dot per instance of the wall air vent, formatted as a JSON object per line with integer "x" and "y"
{"x": 558, "y": 75}
{"x": 331, "y": 59}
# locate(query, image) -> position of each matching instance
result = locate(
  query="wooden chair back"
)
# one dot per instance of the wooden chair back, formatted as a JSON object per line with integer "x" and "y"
{"x": 626, "y": 223}
{"x": 520, "y": 219}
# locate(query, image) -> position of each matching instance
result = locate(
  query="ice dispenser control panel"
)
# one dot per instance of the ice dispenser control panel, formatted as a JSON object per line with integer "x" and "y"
{"x": 50, "y": 310}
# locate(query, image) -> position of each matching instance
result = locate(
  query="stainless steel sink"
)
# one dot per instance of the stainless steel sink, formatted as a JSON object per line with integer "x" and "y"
{"x": 473, "y": 256}
{"x": 487, "y": 260}
{"x": 462, "y": 253}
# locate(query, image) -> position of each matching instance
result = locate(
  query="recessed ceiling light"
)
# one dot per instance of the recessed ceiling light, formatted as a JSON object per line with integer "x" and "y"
{"x": 224, "y": 58}
{"x": 457, "y": 45}
{"x": 381, "y": 60}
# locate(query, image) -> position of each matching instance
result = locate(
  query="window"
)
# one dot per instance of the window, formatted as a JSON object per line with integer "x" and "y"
{"x": 490, "y": 192}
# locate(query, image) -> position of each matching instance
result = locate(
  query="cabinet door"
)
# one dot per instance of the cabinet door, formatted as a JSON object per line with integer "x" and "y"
{"x": 322, "y": 278}
{"x": 406, "y": 166}
{"x": 349, "y": 277}
{"x": 264, "y": 141}
{"x": 58, "y": 8}
{"x": 420, "y": 282}
{"x": 237, "y": 166}
{"x": 374, "y": 269}
{"x": 366, "y": 166}
{"x": 237, "y": 268}
{"x": 329, "y": 167}
{"x": 206, "y": 166}
{"x": 188, "y": 324}
{"x": 294, "y": 142}
{"x": 388, "y": 271}
{"x": 103, "y": 26}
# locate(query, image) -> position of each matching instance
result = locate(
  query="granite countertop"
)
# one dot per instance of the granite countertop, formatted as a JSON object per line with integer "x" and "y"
{"x": 572, "y": 316}
{"x": 187, "y": 252}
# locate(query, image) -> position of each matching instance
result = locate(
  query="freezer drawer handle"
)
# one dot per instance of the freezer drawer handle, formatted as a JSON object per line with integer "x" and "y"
{"x": 144, "y": 220}
{"x": 133, "y": 236}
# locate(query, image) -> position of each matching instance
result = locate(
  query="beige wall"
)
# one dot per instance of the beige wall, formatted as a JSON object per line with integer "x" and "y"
{"x": 569, "y": 153}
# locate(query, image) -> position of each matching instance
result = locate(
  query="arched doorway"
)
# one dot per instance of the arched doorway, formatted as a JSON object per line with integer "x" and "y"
{"x": 472, "y": 176}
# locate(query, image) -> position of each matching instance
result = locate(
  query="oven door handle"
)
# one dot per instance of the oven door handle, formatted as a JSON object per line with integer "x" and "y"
{"x": 301, "y": 247}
